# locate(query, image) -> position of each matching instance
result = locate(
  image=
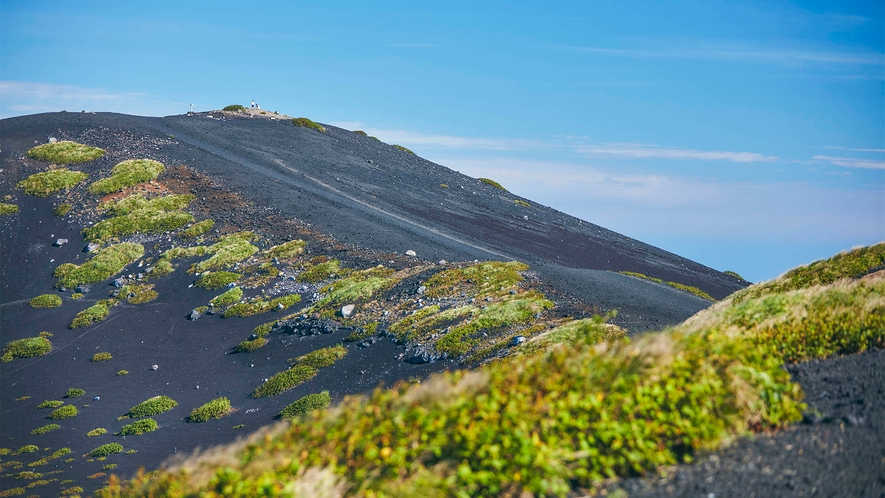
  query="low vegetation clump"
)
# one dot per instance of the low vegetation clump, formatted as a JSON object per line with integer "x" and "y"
{"x": 49, "y": 403}
{"x": 158, "y": 215}
{"x": 123, "y": 372}
{"x": 676, "y": 285}
{"x": 97, "y": 432}
{"x": 61, "y": 210}
{"x": 75, "y": 393}
{"x": 227, "y": 298}
{"x": 106, "y": 263}
{"x": 127, "y": 174}
{"x": 93, "y": 314}
{"x": 72, "y": 491}
{"x": 103, "y": 356}
{"x": 109, "y": 466}
{"x": 76, "y": 296}
{"x": 304, "y": 369}
{"x": 361, "y": 132}
{"x": 62, "y": 412}
{"x": 51, "y": 181}
{"x": 43, "y": 429}
{"x": 106, "y": 449}
{"x": 140, "y": 294}
{"x": 522, "y": 203}
{"x": 65, "y": 152}
{"x": 363, "y": 332}
{"x": 55, "y": 455}
{"x": 356, "y": 287}
{"x": 26, "y": 348}
{"x": 588, "y": 331}
{"x": 257, "y": 306}
{"x": 306, "y": 404}
{"x": 234, "y": 108}
{"x": 139, "y": 427}
{"x": 306, "y": 123}
{"x": 734, "y": 274}
{"x": 400, "y": 147}
{"x": 250, "y": 345}
{"x": 493, "y": 183}
{"x": 28, "y": 448}
{"x": 217, "y": 279}
{"x": 320, "y": 271}
{"x": 492, "y": 278}
{"x": 212, "y": 410}
{"x": 8, "y": 209}
{"x": 228, "y": 250}
{"x": 152, "y": 406}
{"x": 45, "y": 301}
{"x": 286, "y": 250}
{"x": 197, "y": 229}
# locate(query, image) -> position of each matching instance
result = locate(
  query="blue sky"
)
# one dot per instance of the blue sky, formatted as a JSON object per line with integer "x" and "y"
{"x": 748, "y": 136}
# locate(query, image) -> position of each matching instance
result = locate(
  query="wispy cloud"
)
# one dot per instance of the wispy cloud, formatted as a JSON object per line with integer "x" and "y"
{"x": 24, "y": 97}
{"x": 880, "y": 151}
{"x": 642, "y": 151}
{"x": 851, "y": 162}
{"x": 443, "y": 141}
{"x": 738, "y": 54}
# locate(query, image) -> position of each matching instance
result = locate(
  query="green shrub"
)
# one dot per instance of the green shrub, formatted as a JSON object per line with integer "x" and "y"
{"x": 65, "y": 152}
{"x": 97, "y": 432}
{"x": 287, "y": 250}
{"x": 76, "y": 296}
{"x": 492, "y": 183}
{"x": 234, "y": 108}
{"x": 45, "y": 183}
{"x": 139, "y": 427}
{"x": 217, "y": 279}
{"x": 197, "y": 229}
{"x": 325, "y": 357}
{"x": 305, "y": 404}
{"x": 361, "y": 132}
{"x": 123, "y": 372}
{"x": 521, "y": 203}
{"x": 103, "y": 265}
{"x": 227, "y": 298}
{"x": 152, "y": 406}
{"x": 50, "y": 403}
{"x": 45, "y": 301}
{"x": 127, "y": 174}
{"x": 400, "y": 147}
{"x": 214, "y": 409}
{"x": 62, "y": 412}
{"x": 228, "y": 250}
{"x": 250, "y": 345}
{"x": 7, "y": 209}
{"x": 103, "y": 356}
{"x": 26, "y": 348}
{"x": 28, "y": 448}
{"x": 74, "y": 393}
{"x": 138, "y": 221}
{"x": 319, "y": 271}
{"x": 45, "y": 428}
{"x": 73, "y": 490}
{"x": 283, "y": 381}
{"x": 306, "y": 123}
{"x": 93, "y": 314}
{"x": 109, "y": 466}
{"x": 61, "y": 210}
{"x": 257, "y": 306}
{"x": 106, "y": 449}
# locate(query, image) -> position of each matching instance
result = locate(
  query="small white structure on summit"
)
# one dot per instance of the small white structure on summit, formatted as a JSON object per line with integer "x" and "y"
{"x": 254, "y": 105}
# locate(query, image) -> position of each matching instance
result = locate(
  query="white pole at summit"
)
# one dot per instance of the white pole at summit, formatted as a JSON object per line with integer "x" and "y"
{"x": 192, "y": 108}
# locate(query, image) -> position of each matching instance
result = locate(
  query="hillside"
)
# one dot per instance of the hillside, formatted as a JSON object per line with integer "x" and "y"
{"x": 174, "y": 283}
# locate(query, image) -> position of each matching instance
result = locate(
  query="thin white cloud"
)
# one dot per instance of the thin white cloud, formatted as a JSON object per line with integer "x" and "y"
{"x": 25, "y": 97}
{"x": 851, "y": 162}
{"x": 443, "y": 141}
{"x": 642, "y": 151}
{"x": 879, "y": 151}
{"x": 739, "y": 54}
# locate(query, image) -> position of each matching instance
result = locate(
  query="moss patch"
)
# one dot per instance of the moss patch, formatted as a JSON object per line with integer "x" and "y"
{"x": 250, "y": 345}
{"x": 320, "y": 271}
{"x": 8, "y": 209}
{"x": 676, "y": 285}
{"x": 304, "y": 369}
{"x": 493, "y": 278}
{"x": 106, "y": 263}
{"x": 257, "y": 306}
{"x": 152, "y": 406}
{"x": 50, "y": 403}
{"x": 45, "y": 428}
{"x": 493, "y": 183}
{"x": 75, "y": 393}
{"x": 65, "y": 152}
{"x": 214, "y": 409}
{"x": 62, "y": 412}
{"x": 93, "y": 314}
{"x": 287, "y": 250}
{"x": 306, "y": 404}
{"x": 45, "y": 301}
{"x": 105, "y": 450}
{"x": 522, "y": 203}
{"x": 127, "y": 174}
{"x": 234, "y": 108}
{"x": 103, "y": 356}
{"x": 217, "y": 279}
{"x": 139, "y": 427}
{"x": 137, "y": 215}
{"x": 197, "y": 229}
{"x": 97, "y": 432}
{"x": 48, "y": 182}
{"x": 306, "y": 123}
{"x": 61, "y": 210}
{"x": 400, "y": 147}
{"x": 26, "y": 348}
{"x": 227, "y": 298}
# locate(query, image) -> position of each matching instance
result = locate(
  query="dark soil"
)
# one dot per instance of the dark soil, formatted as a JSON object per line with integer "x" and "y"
{"x": 350, "y": 197}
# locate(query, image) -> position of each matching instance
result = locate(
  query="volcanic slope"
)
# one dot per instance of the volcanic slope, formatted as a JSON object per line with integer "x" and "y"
{"x": 260, "y": 232}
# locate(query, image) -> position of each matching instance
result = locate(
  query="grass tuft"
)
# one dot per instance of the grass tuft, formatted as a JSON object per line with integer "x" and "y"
{"x": 105, "y": 450}
{"x": 306, "y": 404}
{"x": 45, "y": 428}
{"x": 320, "y": 271}
{"x": 127, "y": 174}
{"x": 65, "y": 152}
{"x": 62, "y": 412}
{"x": 197, "y": 229}
{"x": 522, "y": 203}
{"x": 400, "y": 147}
{"x": 26, "y": 348}
{"x": 152, "y": 406}
{"x": 139, "y": 427}
{"x": 106, "y": 263}
{"x": 217, "y": 279}
{"x": 214, "y": 410}
{"x": 93, "y": 314}
{"x": 48, "y": 182}
{"x": 306, "y": 123}
{"x": 227, "y": 298}
{"x": 304, "y": 369}
{"x": 45, "y": 301}
{"x": 257, "y": 306}
{"x": 676, "y": 285}
{"x": 287, "y": 250}
{"x": 50, "y": 403}
{"x": 61, "y": 210}
{"x": 103, "y": 356}
{"x": 100, "y": 431}
{"x": 493, "y": 183}
{"x": 234, "y": 108}
{"x": 75, "y": 393}
{"x": 735, "y": 275}
{"x": 8, "y": 209}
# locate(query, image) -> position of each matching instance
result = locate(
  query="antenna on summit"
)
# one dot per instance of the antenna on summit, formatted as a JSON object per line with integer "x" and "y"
{"x": 192, "y": 108}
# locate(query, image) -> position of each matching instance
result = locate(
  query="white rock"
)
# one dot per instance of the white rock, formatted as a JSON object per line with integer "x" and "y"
{"x": 411, "y": 253}
{"x": 347, "y": 310}
{"x": 155, "y": 367}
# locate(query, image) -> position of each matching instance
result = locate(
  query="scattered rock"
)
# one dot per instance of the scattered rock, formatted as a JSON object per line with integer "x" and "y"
{"x": 155, "y": 367}
{"x": 52, "y": 140}
{"x": 304, "y": 326}
{"x": 118, "y": 282}
{"x": 60, "y": 242}
{"x": 82, "y": 289}
{"x": 193, "y": 315}
{"x": 366, "y": 342}
{"x": 96, "y": 398}
{"x": 518, "y": 340}
{"x": 421, "y": 354}
{"x": 411, "y": 253}
{"x": 92, "y": 247}
{"x": 347, "y": 310}
{"x": 443, "y": 262}
{"x": 422, "y": 289}
{"x": 231, "y": 285}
